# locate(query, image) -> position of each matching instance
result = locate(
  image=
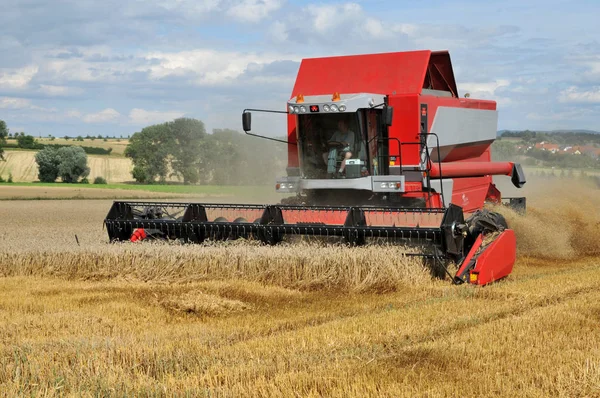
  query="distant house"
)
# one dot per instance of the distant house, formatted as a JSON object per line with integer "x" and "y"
{"x": 573, "y": 150}
{"x": 590, "y": 151}
{"x": 545, "y": 146}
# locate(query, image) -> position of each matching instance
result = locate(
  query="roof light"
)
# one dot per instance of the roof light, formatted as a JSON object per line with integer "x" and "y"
{"x": 336, "y": 96}
{"x": 342, "y": 108}
{"x": 296, "y": 109}
{"x": 325, "y": 108}
{"x": 299, "y": 98}
{"x": 333, "y": 108}
{"x": 290, "y": 109}
{"x": 302, "y": 109}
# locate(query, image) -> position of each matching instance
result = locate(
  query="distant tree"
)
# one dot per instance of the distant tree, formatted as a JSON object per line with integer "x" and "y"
{"x": 73, "y": 164}
{"x": 66, "y": 137}
{"x": 79, "y": 138}
{"x": 3, "y": 134}
{"x": 149, "y": 150}
{"x": 26, "y": 141}
{"x": 48, "y": 162}
{"x": 188, "y": 135}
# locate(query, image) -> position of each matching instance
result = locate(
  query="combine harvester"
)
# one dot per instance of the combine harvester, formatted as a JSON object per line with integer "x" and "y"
{"x": 409, "y": 162}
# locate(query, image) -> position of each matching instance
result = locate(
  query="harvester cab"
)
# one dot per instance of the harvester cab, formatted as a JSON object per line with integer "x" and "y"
{"x": 379, "y": 146}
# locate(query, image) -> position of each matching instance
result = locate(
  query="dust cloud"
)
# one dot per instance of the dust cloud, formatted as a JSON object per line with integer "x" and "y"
{"x": 562, "y": 219}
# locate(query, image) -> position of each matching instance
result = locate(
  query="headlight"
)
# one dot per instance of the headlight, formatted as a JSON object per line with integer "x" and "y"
{"x": 290, "y": 186}
{"x": 325, "y": 108}
{"x": 290, "y": 109}
{"x": 342, "y": 108}
{"x": 282, "y": 186}
{"x": 302, "y": 109}
{"x": 296, "y": 109}
{"x": 333, "y": 108}
{"x": 384, "y": 185}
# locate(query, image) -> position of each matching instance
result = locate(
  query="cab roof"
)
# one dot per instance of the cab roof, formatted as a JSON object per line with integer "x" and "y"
{"x": 393, "y": 73}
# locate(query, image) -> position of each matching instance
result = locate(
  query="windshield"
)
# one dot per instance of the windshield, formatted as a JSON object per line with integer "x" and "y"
{"x": 332, "y": 145}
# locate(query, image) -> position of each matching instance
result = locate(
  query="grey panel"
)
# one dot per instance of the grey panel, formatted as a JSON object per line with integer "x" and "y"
{"x": 378, "y": 180}
{"x": 436, "y": 93}
{"x": 344, "y": 183}
{"x": 371, "y": 183}
{"x": 448, "y": 185}
{"x": 458, "y": 126}
{"x": 288, "y": 184}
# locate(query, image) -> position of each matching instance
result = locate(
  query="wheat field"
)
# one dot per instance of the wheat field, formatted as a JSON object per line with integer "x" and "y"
{"x": 23, "y": 167}
{"x": 81, "y": 317}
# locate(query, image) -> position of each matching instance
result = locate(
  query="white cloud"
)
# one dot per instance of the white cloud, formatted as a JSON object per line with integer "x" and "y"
{"x": 73, "y": 113}
{"x": 375, "y": 28}
{"x": 59, "y": 91}
{"x": 328, "y": 17}
{"x": 253, "y": 10}
{"x": 210, "y": 67}
{"x": 573, "y": 94}
{"x": 14, "y": 103}
{"x": 278, "y": 32}
{"x": 104, "y": 116}
{"x": 196, "y": 6}
{"x": 143, "y": 117}
{"x": 18, "y": 78}
{"x": 483, "y": 90}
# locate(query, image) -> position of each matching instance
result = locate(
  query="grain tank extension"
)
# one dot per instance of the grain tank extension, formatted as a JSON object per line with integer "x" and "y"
{"x": 380, "y": 146}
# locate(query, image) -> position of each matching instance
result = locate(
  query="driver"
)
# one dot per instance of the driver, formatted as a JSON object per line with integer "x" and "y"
{"x": 341, "y": 140}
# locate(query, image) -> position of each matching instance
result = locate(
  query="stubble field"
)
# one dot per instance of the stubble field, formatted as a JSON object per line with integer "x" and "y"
{"x": 82, "y": 317}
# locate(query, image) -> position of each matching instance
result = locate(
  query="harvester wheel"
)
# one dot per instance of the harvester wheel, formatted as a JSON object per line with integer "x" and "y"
{"x": 485, "y": 221}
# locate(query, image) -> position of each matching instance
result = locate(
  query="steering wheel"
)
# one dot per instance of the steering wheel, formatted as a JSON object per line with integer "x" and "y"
{"x": 336, "y": 144}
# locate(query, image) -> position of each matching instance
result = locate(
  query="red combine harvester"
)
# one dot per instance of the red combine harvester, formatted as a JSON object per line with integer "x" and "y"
{"x": 379, "y": 146}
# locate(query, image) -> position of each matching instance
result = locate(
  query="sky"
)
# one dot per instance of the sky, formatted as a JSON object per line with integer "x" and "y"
{"x": 112, "y": 67}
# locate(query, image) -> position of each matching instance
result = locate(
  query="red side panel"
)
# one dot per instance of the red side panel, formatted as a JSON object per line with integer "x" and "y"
{"x": 405, "y": 128}
{"x": 497, "y": 259}
{"x": 470, "y": 193}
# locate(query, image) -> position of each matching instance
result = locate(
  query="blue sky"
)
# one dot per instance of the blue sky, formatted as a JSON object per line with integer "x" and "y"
{"x": 114, "y": 66}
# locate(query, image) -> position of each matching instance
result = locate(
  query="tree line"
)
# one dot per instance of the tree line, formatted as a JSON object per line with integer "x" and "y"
{"x": 558, "y": 137}
{"x": 183, "y": 149}
{"x": 503, "y": 150}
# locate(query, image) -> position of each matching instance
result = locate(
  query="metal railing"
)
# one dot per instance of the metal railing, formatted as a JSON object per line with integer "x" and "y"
{"x": 383, "y": 160}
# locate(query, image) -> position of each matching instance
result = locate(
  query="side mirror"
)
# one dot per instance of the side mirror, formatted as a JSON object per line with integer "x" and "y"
{"x": 247, "y": 121}
{"x": 388, "y": 115}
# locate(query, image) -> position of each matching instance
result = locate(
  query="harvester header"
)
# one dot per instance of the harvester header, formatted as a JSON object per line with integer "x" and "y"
{"x": 380, "y": 146}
